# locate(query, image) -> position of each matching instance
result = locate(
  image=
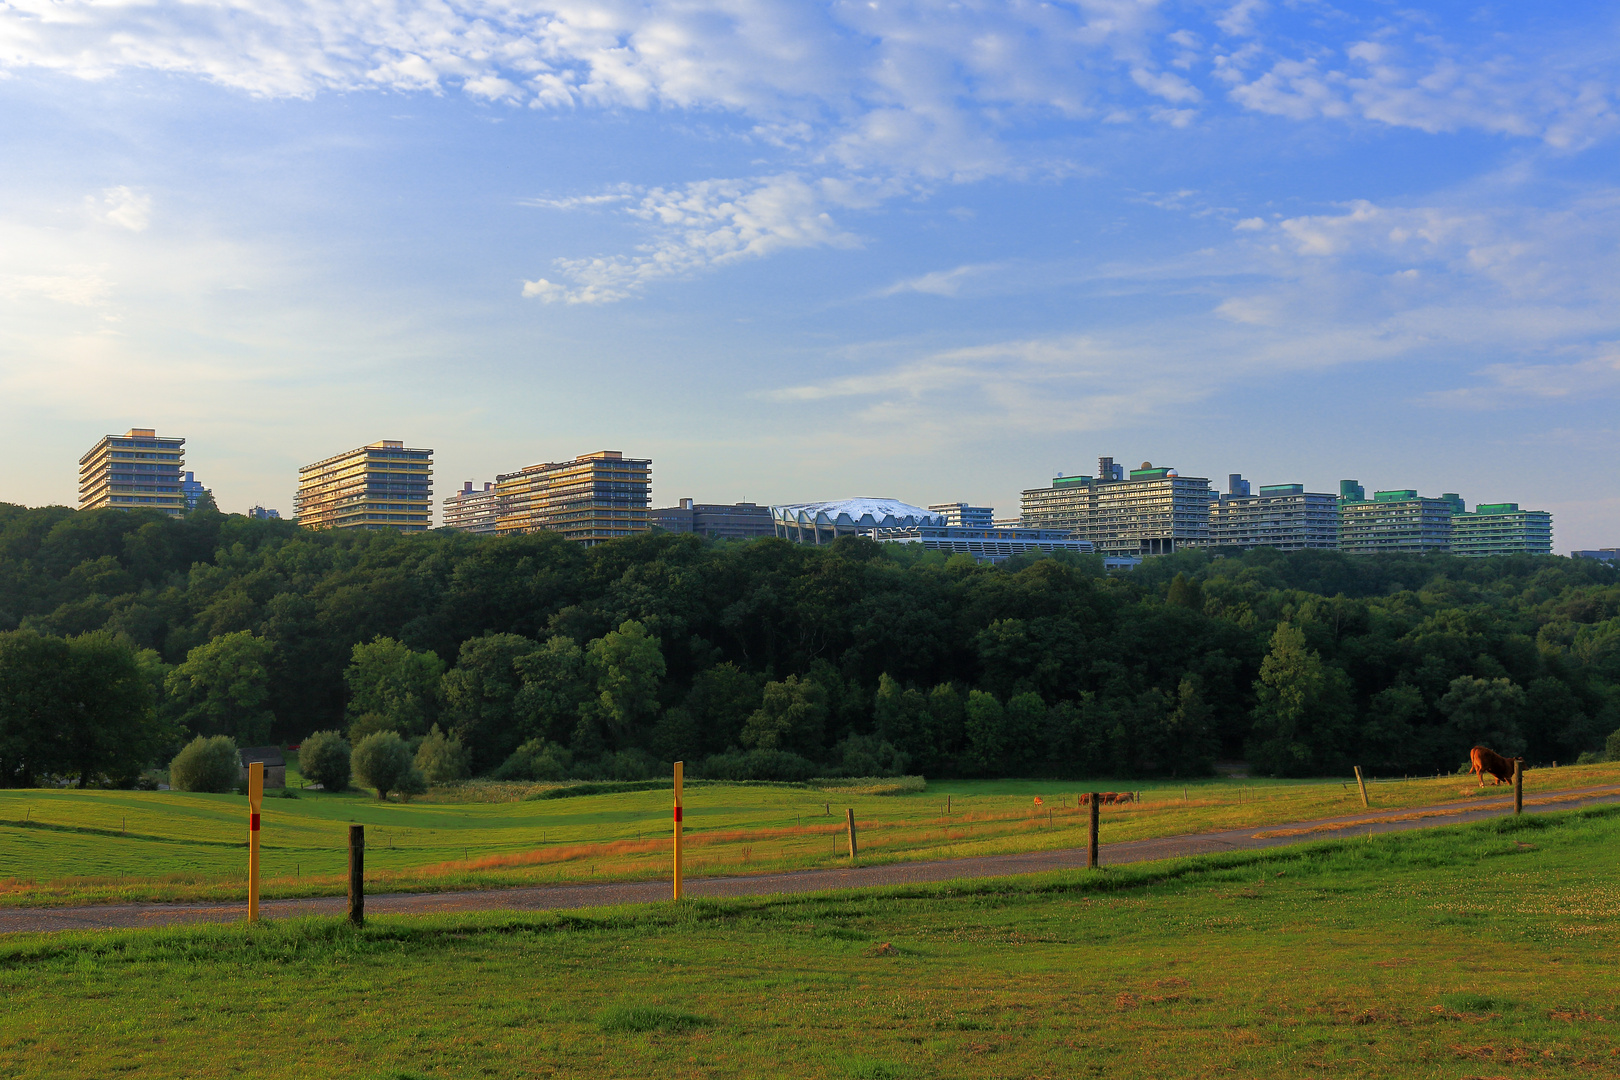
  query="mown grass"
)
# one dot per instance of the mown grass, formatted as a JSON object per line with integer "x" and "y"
{"x": 1474, "y": 951}
{"x": 64, "y": 846}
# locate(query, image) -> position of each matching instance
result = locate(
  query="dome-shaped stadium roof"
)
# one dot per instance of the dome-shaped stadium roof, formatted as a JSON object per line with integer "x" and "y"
{"x": 857, "y": 513}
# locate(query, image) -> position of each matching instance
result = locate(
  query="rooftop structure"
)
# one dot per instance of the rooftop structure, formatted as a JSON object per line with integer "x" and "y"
{"x": 193, "y": 491}
{"x": 382, "y": 485}
{"x": 1149, "y": 511}
{"x": 134, "y": 471}
{"x": 722, "y": 521}
{"x": 824, "y": 522}
{"x": 1501, "y": 529}
{"x": 1282, "y": 516}
{"x": 262, "y": 514}
{"x": 473, "y": 510}
{"x": 1601, "y": 554}
{"x": 592, "y": 499}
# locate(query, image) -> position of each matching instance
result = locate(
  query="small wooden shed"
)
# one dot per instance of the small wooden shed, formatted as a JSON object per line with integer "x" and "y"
{"x": 275, "y": 766}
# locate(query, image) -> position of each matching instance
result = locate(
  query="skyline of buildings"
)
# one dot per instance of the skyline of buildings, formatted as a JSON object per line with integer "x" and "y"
{"x": 1123, "y": 515}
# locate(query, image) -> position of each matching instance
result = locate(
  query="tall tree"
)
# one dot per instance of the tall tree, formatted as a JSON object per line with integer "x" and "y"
{"x": 399, "y": 686}
{"x": 223, "y": 686}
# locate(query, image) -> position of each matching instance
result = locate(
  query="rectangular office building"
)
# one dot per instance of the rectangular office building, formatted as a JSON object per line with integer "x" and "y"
{"x": 383, "y": 485}
{"x": 1394, "y": 521}
{"x": 474, "y": 511}
{"x": 1282, "y": 516}
{"x": 961, "y": 515}
{"x": 134, "y": 471}
{"x": 722, "y": 521}
{"x": 1501, "y": 529}
{"x": 1149, "y": 511}
{"x": 592, "y": 499}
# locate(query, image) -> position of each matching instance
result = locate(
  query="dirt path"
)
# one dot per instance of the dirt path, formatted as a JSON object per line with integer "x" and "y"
{"x": 118, "y": 916}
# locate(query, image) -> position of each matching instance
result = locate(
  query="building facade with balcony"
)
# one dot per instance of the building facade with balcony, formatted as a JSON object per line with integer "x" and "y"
{"x": 1148, "y": 511}
{"x": 138, "y": 470}
{"x": 590, "y": 500}
{"x": 1394, "y": 521}
{"x": 1501, "y": 529}
{"x": 382, "y": 485}
{"x": 1282, "y": 516}
{"x": 961, "y": 515}
{"x": 473, "y": 510}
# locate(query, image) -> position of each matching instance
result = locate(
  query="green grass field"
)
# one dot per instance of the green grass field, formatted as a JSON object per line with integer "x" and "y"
{"x": 1474, "y": 951}
{"x": 60, "y": 846}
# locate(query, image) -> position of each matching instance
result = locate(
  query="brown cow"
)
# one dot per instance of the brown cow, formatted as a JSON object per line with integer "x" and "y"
{"x": 1485, "y": 760}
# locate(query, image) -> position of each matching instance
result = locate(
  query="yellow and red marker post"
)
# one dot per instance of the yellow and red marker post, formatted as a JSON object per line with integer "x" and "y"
{"x": 680, "y": 773}
{"x": 255, "y": 802}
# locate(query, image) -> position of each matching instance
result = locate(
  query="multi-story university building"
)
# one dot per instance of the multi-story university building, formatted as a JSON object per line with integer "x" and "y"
{"x": 382, "y": 485}
{"x": 960, "y": 515}
{"x": 472, "y": 510}
{"x": 1146, "y": 512}
{"x": 134, "y": 471}
{"x": 1501, "y": 529}
{"x": 1393, "y": 521}
{"x": 1282, "y": 516}
{"x": 592, "y": 499}
{"x": 731, "y": 521}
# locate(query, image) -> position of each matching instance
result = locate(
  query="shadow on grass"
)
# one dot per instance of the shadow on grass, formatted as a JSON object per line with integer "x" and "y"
{"x": 635, "y": 1018}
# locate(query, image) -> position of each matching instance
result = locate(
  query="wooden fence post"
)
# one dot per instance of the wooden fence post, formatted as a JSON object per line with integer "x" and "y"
{"x": 680, "y": 777}
{"x": 357, "y": 874}
{"x": 255, "y": 804}
{"x": 1361, "y": 784}
{"x": 1518, "y": 786}
{"x": 1096, "y": 801}
{"x": 849, "y": 819}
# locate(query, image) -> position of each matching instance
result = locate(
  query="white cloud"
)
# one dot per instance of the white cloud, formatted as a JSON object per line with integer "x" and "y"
{"x": 707, "y": 224}
{"x": 940, "y": 282}
{"x": 124, "y": 207}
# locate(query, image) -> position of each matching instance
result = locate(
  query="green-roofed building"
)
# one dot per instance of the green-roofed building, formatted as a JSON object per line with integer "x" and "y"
{"x": 1501, "y": 529}
{"x": 1398, "y": 521}
{"x": 1151, "y": 511}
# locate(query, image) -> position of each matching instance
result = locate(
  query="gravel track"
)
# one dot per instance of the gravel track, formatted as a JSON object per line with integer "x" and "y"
{"x": 124, "y": 916}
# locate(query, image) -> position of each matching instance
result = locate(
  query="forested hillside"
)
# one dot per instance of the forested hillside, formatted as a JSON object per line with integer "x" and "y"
{"x": 766, "y": 659}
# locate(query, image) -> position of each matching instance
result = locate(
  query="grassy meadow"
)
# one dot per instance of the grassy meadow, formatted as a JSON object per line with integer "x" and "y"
{"x": 62, "y": 846}
{"x": 1482, "y": 950}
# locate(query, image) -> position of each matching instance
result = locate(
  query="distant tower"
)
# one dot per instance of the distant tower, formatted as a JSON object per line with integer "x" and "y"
{"x": 1236, "y": 486}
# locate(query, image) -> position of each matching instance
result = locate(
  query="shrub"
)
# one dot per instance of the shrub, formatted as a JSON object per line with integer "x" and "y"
{"x": 536, "y": 759}
{"x": 442, "y": 759}
{"x": 324, "y": 760}
{"x": 412, "y": 783}
{"x": 757, "y": 765}
{"x": 206, "y": 764}
{"x": 867, "y": 755}
{"x": 382, "y": 761}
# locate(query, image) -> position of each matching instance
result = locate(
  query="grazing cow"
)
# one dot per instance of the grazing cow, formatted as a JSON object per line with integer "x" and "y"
{"x": 1485, "y": 760}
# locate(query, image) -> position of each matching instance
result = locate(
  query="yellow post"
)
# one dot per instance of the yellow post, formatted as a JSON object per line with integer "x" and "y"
{"x": 1362, "y": 784}
{"x": 255, "y": 801}
{"x": 680, "y": 774}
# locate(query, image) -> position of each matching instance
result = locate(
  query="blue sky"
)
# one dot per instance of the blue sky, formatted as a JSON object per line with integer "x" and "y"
{"x": 798, "y": 251}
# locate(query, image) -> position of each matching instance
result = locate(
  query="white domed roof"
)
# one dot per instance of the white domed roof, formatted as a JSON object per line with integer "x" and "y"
{"x": 867, "y": 513}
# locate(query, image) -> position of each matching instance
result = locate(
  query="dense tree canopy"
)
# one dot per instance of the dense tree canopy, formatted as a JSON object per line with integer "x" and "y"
{"x": 534, "y": 654}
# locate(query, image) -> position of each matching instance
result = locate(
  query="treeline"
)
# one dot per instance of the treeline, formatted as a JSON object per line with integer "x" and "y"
{"x": 536, "y": 657}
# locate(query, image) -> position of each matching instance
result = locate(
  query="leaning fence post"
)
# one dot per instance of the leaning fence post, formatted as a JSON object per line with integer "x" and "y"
{"x": 1518, "y": 786}
{"x": 849, "y": 819}
{"x": 1361, "y": 784}
{"x": 357, "y": 874}
{"x": 1096, "y": 799}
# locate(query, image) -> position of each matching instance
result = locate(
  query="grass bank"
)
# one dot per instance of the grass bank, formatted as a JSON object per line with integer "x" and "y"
{"x": 1476, "y": 951}
{"x": 61, "y": 847}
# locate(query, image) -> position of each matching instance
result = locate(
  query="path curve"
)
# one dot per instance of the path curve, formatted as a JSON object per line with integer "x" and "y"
{"x": 1254, "y": 837}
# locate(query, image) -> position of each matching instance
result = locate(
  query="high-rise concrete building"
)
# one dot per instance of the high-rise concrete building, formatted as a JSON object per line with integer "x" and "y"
{"x": 382, "y": 485}
{"x": 1150, "y": 511}
{"x": 729, "y": 521}
{"x": 259, "y": 513}
{"x": 1394, "y": 521}
{"x": 134, "y": 471}
{"x": 592, "y": 499}
{"x": 1282, "y": 516}
{"x": 472, "y": 510}
{"x": 1501, "y": 529}
{"x": 1601, "y": 554}
{"x": 962, "y": 516}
